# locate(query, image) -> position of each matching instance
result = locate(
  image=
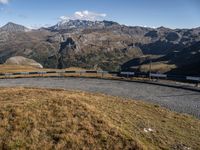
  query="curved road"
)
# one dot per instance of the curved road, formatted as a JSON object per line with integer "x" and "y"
{"x": 180, "y": 100}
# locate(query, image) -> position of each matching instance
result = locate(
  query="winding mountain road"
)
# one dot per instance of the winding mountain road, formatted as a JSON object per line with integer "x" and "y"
{"x": 176, "y": 99}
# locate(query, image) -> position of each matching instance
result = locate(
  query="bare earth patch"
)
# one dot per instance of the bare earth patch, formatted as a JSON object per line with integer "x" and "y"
{"x": 59, "y": 119}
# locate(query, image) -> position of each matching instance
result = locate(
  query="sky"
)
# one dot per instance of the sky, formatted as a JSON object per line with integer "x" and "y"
{"x": 150, "y": 13}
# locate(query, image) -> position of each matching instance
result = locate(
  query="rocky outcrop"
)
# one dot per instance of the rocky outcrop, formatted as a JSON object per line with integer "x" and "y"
{"x": 66, "y": 48}
{"x": 19, "y": 60}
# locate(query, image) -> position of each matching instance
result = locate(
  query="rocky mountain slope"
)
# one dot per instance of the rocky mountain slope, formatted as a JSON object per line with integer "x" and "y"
{"x": 101, "y": 45}
{"x": 12, "y": 27}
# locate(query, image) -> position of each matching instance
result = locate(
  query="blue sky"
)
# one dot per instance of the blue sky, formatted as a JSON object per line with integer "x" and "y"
{"x": 152, "y": 13}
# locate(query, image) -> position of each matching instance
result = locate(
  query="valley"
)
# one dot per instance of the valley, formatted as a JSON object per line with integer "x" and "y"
{"x": 104, "y": 45}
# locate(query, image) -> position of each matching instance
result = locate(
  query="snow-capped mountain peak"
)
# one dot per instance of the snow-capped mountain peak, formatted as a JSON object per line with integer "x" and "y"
{"x": 81, "y": 24}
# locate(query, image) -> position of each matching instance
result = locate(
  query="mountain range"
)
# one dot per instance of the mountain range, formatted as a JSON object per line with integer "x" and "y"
{"x": 105, "y": 45}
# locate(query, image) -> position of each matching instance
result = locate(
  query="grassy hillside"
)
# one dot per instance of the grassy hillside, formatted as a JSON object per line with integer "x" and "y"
{"x": 58, "y": 119}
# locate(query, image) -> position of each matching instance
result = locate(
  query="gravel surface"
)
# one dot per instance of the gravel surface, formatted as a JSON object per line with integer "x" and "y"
{"x": 176, "y": 99}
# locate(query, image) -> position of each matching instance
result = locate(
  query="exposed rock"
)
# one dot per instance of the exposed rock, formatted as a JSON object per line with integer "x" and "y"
{"x": 152, "y": 34}
{"x": 66, "y": 48}
{"x": 19, "y": 60}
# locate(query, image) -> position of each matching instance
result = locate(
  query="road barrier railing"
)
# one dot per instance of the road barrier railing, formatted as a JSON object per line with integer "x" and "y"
{"x": 193, "y": 78}
{"x": 157, "y": 76}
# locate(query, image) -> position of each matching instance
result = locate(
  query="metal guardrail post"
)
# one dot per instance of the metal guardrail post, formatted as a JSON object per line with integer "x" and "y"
{"x": 8, "y": 75}
{"x": 150, "y": 69}
{"x": 197, "y": 84}
{"x": 149, "y": 75}
{"x": 60, "y": 74}
{"x": 101, "y": 73}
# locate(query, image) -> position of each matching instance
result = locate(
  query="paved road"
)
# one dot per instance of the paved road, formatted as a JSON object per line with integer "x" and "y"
{"x": 180, "y": 100}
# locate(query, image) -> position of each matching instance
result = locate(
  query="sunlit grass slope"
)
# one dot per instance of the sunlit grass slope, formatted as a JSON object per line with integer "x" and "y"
{"x": 58, "y": 119}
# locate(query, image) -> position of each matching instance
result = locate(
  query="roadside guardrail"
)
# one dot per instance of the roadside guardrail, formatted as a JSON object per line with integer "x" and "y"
{"x": 158, "y": 75}
{"x": 194, "y": 79}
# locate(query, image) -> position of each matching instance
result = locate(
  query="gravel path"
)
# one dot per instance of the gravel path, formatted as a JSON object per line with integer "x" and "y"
{"x": 180, "y": 100}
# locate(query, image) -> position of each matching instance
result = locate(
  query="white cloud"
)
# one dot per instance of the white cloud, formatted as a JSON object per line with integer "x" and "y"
{"x": 4, "y": 1}
{"x": 64, "y": 18}
{"x": 84, "y": 15}
{"x": 37, "y": 26}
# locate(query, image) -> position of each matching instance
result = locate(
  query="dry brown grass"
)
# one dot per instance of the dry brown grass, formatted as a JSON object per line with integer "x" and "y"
{"x": 16, "y": 68}
{"x": 58, "y": 119}
{"x": 157, "y": 67}
{"x": 19, "y": 68}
